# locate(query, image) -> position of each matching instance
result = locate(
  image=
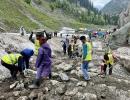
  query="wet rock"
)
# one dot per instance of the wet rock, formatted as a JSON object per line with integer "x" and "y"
{"x": 61, "y": 89}
{"x": 24, "y": 92}
{"x": 33, "y": 95}
{"x": 23, "y": 98}
{"x": 82, "y": 83}
{"x": 13, "y": 85}
{"x": 63, "y": 66}
{"x": 74, "y": 79}
{"x": 4, "y": 73}
{"x": 89, "y": 96}
{"x": 71, "y": 92}
{"x": 64, "y": 77}
{"x": 16, "y": 93}
{"x": 19, "y": 86}
{"x": 73, "y": 72}
{"x": 54, "y": 75}
{"x": 54, "y": 82}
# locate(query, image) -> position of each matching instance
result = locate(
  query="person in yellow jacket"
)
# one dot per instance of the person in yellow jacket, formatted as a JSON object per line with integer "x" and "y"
{"x": 9, "y": 61}
{"x": 87, "y": 56}
{"x": 21, "y": 59}
{"x": 109, "y": 61}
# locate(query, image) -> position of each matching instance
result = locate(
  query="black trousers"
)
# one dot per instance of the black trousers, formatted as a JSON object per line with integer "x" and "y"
{"x": 12, "y": 68}
{"x": 110, "y": 69}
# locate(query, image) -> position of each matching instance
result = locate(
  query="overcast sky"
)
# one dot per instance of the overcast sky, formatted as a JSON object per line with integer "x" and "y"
{"x": 100, "y": 3}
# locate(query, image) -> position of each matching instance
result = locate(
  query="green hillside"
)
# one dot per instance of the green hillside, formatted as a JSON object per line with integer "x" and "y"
{"x": 16, "y": 13}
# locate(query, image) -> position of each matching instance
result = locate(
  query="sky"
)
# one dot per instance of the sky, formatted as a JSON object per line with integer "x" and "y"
{"x": 100, "y": 3}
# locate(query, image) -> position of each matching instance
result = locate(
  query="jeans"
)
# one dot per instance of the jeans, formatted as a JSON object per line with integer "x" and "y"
{"x": 84, "y": 68}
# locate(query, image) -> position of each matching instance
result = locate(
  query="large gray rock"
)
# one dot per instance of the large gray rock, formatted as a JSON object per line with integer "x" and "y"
{"x": 124, "y": 17}
{"x": 124, "y": 56}
{"x": 63, "y": 66}
{"x": 121, "y": 37}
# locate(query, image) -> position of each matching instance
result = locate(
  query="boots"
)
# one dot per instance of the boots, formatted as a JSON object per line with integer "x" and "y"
{"x": 14, "y": 75}
{"x": 35, "y": 84}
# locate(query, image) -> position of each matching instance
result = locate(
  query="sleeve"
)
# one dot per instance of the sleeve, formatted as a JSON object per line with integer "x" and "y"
{"x": 84, "y": 51}
{"x": 31, "y": 39}
{"x": 39, "y": 58}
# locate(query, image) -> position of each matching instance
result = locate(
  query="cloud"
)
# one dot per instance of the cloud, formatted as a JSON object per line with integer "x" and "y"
{"x": 100, "y": 3}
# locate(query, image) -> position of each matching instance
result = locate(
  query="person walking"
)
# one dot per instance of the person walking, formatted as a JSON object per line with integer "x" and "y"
{"x": 35, "y": 40}
{"x": 87, "y": 57}
{"x": 43, "y": 62}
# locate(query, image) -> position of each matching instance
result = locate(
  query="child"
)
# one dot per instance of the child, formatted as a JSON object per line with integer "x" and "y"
{"x": 43, "y": 62}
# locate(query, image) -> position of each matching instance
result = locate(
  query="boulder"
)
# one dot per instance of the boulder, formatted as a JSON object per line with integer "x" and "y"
{"x": 120, "y": 37}
{"x": 64, "y": 77}
{"x": 82, "y": 83}
{"x": 63, "y": 66}
{"x": 123, "y": 55}
{"x": 14, "y": 85}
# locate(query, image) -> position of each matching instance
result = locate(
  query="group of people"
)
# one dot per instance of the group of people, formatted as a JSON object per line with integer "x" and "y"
{"x": 19, "y": 62}
{"x": 70, "y": 46}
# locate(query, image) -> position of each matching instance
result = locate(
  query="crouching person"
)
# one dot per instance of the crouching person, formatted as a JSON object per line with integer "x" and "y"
{"x": 27, "y": 53}
{"x": 10, "y": 60}
{"x": 43, "y": 62}
{"x": 17, "y": 62}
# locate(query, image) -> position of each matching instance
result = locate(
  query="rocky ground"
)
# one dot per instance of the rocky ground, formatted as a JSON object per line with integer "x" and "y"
{"x": 67, "y": 82}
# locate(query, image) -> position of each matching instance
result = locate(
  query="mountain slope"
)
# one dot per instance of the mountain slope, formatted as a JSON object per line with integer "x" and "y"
{"x": 115, "y": 7}
{"x": 16, "y": 13}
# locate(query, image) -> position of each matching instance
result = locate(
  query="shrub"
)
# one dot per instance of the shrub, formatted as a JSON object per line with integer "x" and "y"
{"x": 28, "y": 1}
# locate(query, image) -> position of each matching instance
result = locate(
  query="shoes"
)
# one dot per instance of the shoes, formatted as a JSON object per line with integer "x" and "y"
{"x": 88, "y": 79}
{"x": 35, "y": 84}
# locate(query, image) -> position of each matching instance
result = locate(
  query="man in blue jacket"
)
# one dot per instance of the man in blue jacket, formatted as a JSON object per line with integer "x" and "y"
{"x": 26, "y": 53}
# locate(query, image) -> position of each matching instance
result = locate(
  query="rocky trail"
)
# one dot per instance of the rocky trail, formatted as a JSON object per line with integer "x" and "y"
{"x": 67, "y": 82}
